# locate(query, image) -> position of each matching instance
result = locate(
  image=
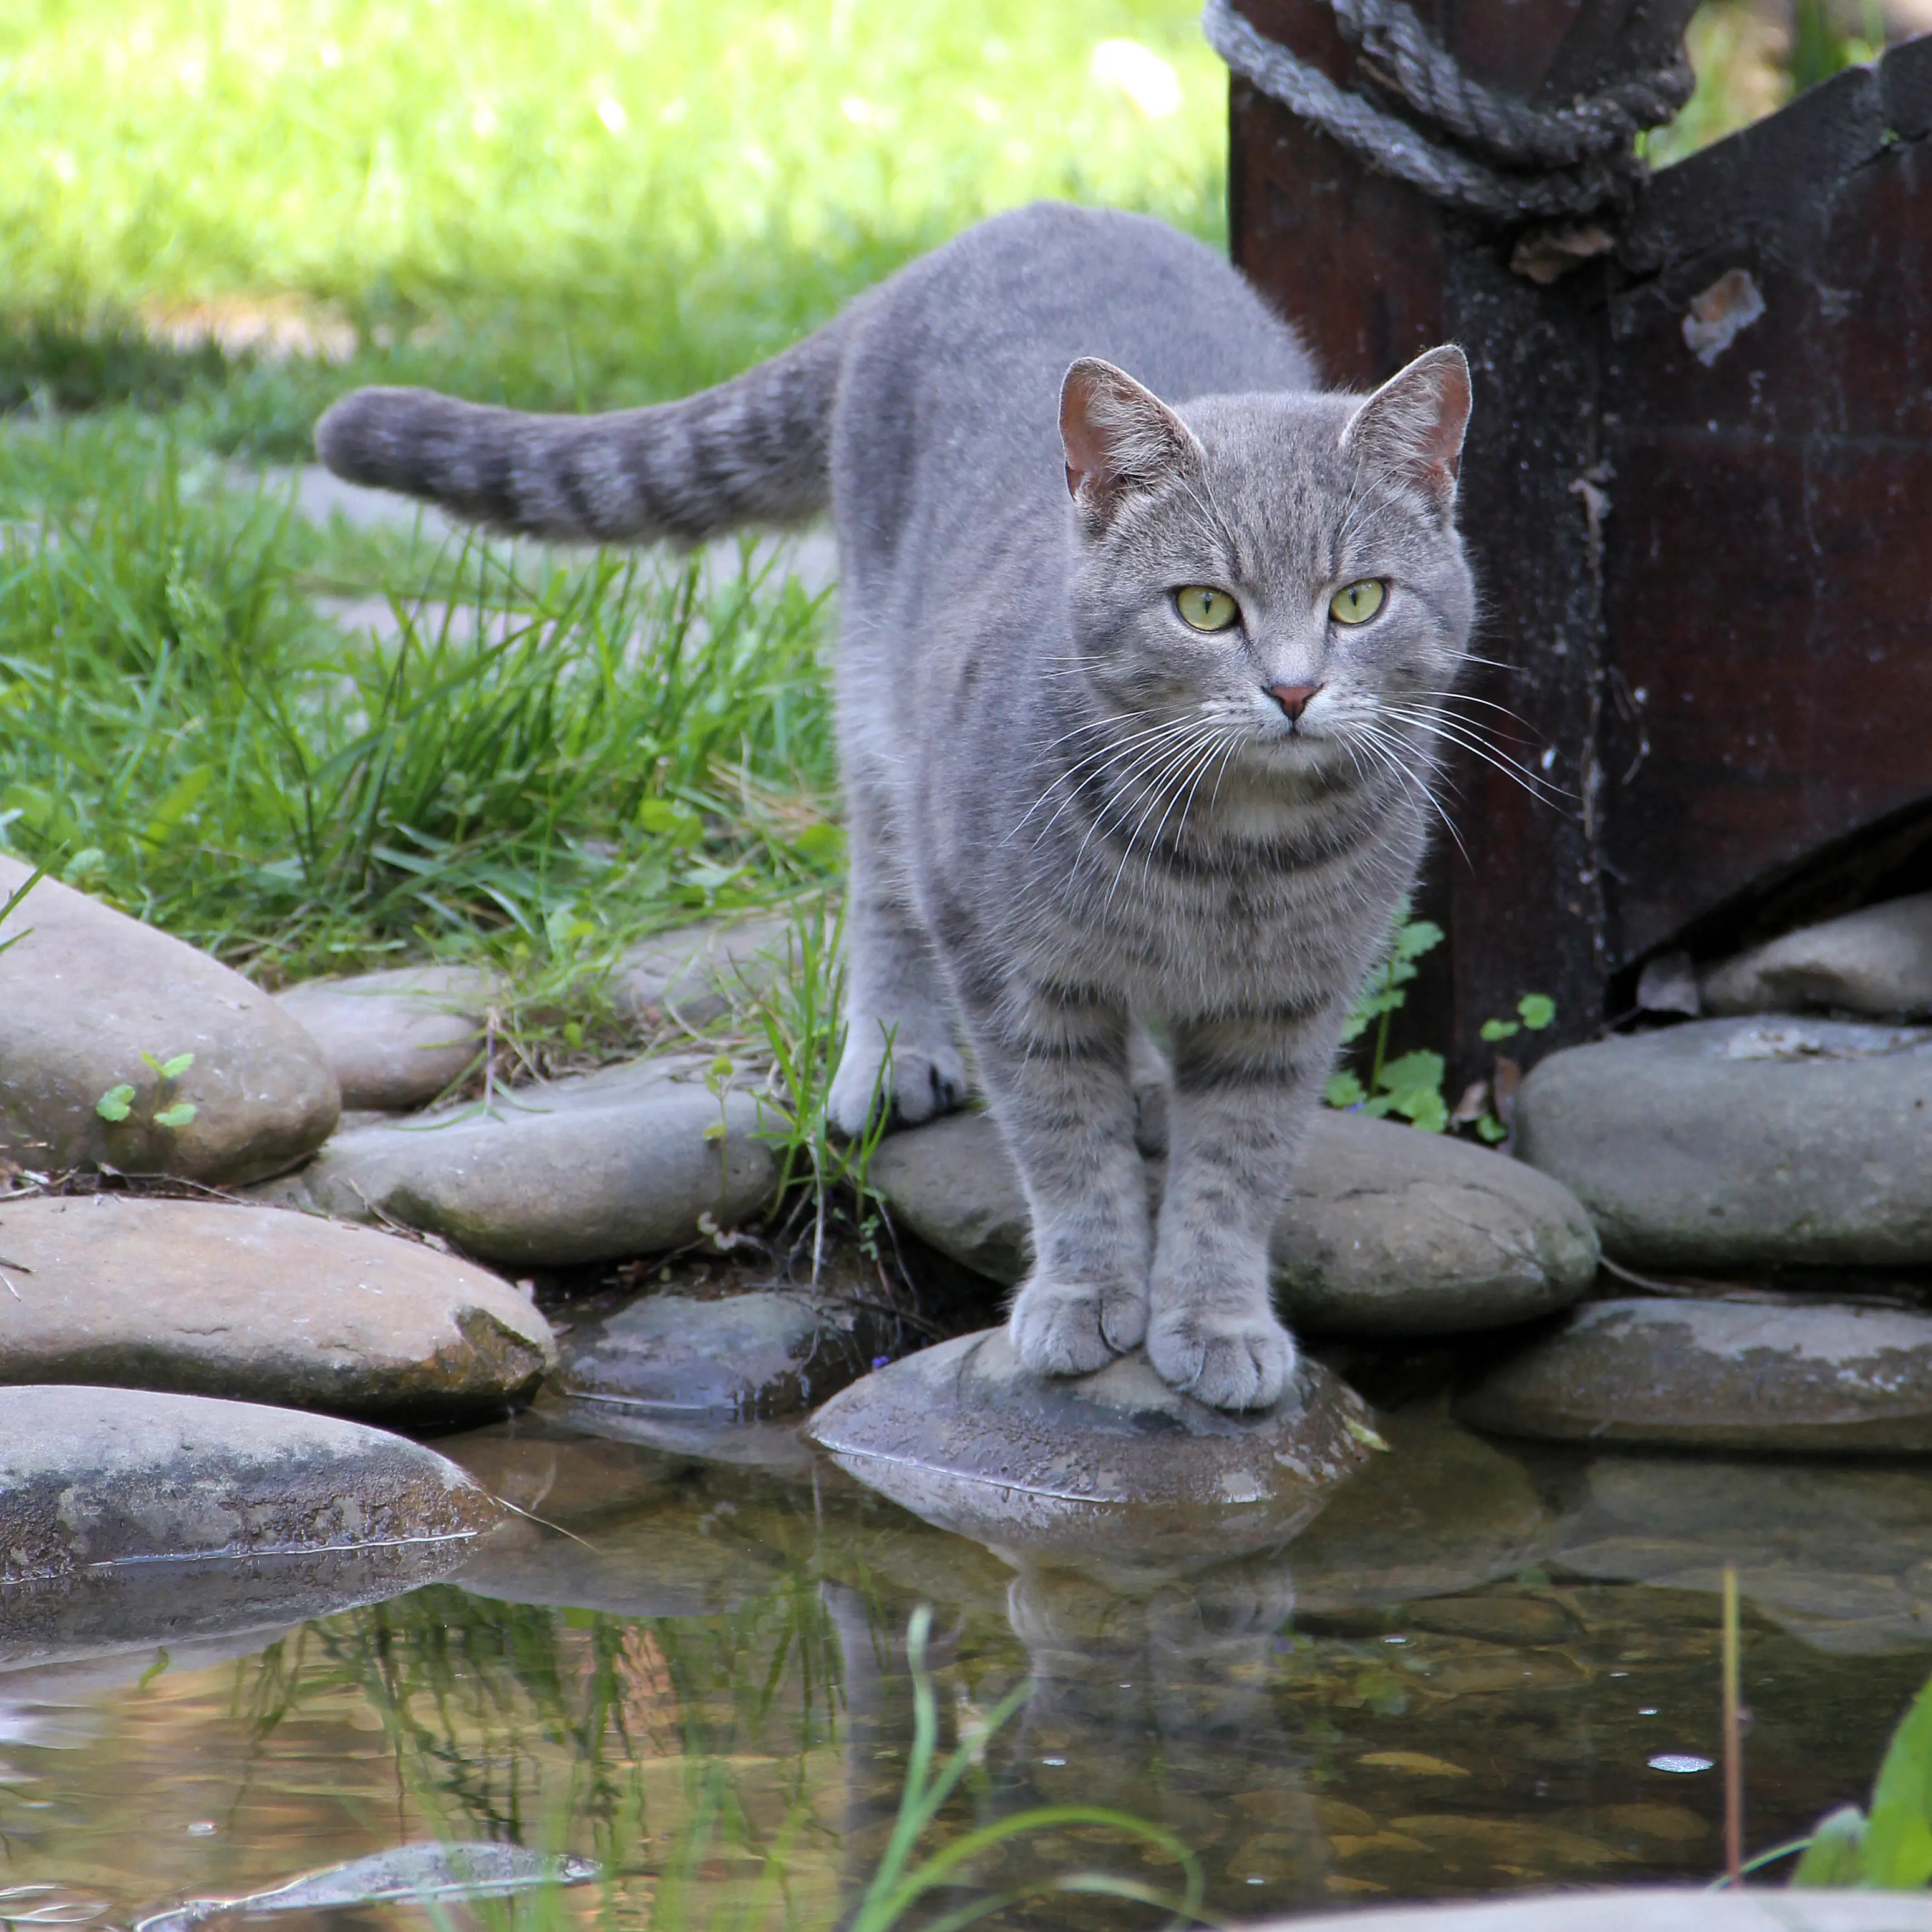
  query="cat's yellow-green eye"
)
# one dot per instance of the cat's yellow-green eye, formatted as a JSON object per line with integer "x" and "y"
{"x": 1356, "y": 603}
{"x": 1205, "y": 608}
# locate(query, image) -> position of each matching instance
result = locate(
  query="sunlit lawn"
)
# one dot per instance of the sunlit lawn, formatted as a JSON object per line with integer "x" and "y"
{"x": 215, "y": 215}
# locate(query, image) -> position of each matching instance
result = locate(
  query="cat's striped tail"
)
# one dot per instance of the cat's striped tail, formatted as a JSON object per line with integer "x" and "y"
{"x": 755, "y": 450}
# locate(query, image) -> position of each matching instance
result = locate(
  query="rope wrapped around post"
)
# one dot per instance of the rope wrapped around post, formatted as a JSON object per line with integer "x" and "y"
{"x": 1568, "y": 160}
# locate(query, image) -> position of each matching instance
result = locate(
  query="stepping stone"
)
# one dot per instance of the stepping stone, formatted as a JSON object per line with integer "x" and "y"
{"x": 1727, "y": 1143}
{"x": 87, "y": 991}
{"x": 1115, "y": 1466}
{"x": 733, "y": 1358}
{"x": 102, "y": 1478}
{"x": 1876, "y": 962}
{"x": 1387, "y": 1231}
{"x": 395, "y": 1040}
{"x": 696, "y": 974}
{"x": 1624, "y": 1909}
{"x": 1717, "y": 1375}
{"x": 1838, "y": 1554}
{"x": 598, "y": 1167}
{"x": 261, "y": 1306}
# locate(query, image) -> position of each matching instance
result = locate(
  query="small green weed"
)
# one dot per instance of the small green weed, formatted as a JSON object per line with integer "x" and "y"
{"x": 1410, "y": 1086}
{"x": 12, "y": 903}
{"x": 117, "y": 1104}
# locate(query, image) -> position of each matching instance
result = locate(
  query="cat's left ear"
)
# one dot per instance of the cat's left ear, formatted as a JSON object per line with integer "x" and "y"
{"x": 1414, "y": 425}
{"x": 1118, "y": 437}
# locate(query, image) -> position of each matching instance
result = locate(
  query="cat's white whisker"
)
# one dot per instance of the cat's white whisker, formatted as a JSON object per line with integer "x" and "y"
{"x": 1538, "y": 787}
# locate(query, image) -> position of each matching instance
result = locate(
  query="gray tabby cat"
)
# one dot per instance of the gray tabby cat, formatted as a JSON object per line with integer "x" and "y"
{"x": 1163, "y": 751}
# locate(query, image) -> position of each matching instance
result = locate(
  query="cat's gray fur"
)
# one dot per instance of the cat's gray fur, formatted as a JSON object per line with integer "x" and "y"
{"x": 1068, "y": 812}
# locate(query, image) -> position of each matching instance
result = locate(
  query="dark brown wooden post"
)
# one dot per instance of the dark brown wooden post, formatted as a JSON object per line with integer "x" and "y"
{"x": 1375, "y": 271}
{"x": 1707, "y": 564}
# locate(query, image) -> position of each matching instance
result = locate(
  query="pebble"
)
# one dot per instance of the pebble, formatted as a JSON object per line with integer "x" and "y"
{"x": 1876, "y": 962}
{"x": 97, "y": 1477}
{"x": 1728, "y": 1143}
{"x": 1807, "y": 1378}
{"x": 1115, "y": 1466}
{"x": 735, "y": 1358}
{"x": 87, "y": 991}
{"x": 596, "y": 1167}
{"x": 1387, "y": 1231}
{"x": 251, "y": 1302}
{"x": 1654, "y": 1910}
{"x": 697, "y": 975}
{"x": 395, "y": 1040}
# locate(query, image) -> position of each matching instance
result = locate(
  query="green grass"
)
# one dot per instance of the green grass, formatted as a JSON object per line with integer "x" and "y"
{"x": 608, "y": 203}
{"x": 632, "y": 744}
{"x": 561, "y": 207}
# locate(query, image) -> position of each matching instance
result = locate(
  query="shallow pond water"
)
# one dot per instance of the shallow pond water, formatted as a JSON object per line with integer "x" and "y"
{"x": 1457, "y": 1679}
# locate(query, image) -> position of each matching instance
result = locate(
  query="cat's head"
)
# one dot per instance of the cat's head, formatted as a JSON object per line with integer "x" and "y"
{"x": 1283, "y": 569}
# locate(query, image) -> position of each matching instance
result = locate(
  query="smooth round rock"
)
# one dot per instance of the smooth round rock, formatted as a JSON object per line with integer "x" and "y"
{"x": 259, "y": 1305}
{"x": 1386, "y": 1231}
{"x": 1115, "y": 1465}
{"x": 598, "y": 1167}
{"x": 1726, "y": 1144}
{"x": 95, "y": 1477}
{"x": 696, "y": 974}
{"x": 1643, "y": 1909}
{"x": 1720, "y": 1374}
{"x": 394, "y": 1040}
{"x": 738, "y": 1358}
{"x": 86, "y": 992}
{"x": 1876, "y": 961}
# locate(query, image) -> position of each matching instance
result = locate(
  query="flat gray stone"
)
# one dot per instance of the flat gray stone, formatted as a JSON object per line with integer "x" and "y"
{"x": 1839, "y": 1554}
{"x": 1877, "y": 962}
{"x": 1113, "y": 1466}
{"x": 1725, "y": 1144}
{"x": 95, "y": 1477}
{"x": 597, "y": 1167}
{"x": 395, "y": 1040}
{"x": 737, "y": 1358}
{"x": 260, "y": 1306}
{"x": 1387, "y": 1231}
{"x": 1620, "y": 1910}
{"x": 87, "y": 991}
{"x": 696, "y": 974}
{"x": 1812, "y": 1379}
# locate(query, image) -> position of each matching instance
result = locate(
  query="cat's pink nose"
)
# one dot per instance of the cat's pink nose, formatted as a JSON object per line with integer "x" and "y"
{"x": 1293, "y": 698}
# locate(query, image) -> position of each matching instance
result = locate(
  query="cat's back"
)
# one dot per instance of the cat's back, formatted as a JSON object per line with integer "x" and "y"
{"x": 950, "y": 401}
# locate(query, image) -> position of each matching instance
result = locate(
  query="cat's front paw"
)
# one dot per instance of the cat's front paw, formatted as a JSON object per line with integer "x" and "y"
{"x": 1227, "y": 1361}
{"x": 1072, "y": 1328}
{"x": 914, "y": 1082}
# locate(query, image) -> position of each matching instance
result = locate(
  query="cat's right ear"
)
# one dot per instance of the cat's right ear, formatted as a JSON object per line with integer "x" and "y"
{"x": 1118, "y": 437}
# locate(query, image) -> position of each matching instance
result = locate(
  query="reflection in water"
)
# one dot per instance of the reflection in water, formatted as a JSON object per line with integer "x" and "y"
{"x": 1454, "y": 1679}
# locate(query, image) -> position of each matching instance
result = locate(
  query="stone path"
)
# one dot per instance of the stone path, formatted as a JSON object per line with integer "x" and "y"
{"x": 97, "y": 1477}
{"x": 1387, "y": 1232}
{"x": 204, "y": 1298}
{"x": 1724, "y": 1144}
{"x": 1721, "y": 1375}
{"x": 596, "y": 1167}
{"x": 93, "y": 1003}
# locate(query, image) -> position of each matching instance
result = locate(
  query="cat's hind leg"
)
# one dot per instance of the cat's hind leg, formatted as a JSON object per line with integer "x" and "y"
{"x": 900, "y": 1049}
